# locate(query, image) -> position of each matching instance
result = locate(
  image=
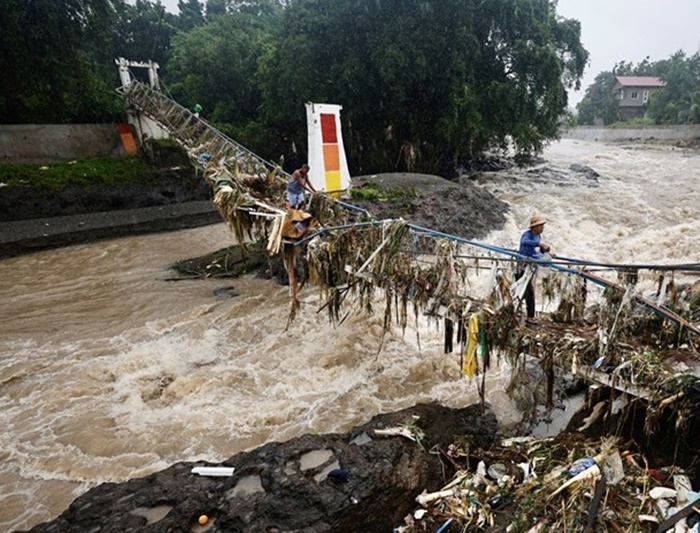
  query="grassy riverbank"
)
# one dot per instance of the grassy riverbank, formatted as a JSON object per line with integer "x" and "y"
{"x": 94, "y": 171}
{"x": 160, "y": 175}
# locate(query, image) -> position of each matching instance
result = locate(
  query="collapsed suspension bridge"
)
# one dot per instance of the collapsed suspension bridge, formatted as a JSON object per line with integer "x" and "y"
{"x": 641, "y": 346}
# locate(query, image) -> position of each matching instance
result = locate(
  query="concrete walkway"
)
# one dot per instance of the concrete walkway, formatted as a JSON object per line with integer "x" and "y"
{"x": 26, "y": 236}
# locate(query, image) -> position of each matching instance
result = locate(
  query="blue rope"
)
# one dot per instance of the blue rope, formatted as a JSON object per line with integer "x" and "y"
{"x": 623, "y": 266}
{"x": 351, "y": 207}
{"x": 444, "y": 526}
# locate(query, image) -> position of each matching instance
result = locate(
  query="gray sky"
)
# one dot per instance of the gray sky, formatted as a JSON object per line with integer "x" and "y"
{"x": 623, "y": 30}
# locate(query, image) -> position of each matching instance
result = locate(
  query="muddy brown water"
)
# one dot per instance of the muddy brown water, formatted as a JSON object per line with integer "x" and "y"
{"x": 108, "y": 372}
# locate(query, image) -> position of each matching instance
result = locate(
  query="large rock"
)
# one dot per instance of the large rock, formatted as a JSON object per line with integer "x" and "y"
{"x": 456, "y": 207}
{"x": 298, "y": 486}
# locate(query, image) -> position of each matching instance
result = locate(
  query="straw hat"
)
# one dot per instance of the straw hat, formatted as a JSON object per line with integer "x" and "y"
{"x": 536, "y": 220}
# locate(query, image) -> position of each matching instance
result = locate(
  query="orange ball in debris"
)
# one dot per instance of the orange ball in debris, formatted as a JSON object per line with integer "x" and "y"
{"x": 203, "y": 520}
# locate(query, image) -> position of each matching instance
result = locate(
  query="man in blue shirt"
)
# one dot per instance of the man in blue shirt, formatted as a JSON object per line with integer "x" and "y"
{"x": 532, "y": 247}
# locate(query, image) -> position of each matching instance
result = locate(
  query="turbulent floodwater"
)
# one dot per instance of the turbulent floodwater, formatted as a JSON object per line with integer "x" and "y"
{"x": 108, "y": 371}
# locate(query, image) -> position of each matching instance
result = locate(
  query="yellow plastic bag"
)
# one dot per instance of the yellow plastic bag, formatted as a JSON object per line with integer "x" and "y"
{"x": 469, "y": 365}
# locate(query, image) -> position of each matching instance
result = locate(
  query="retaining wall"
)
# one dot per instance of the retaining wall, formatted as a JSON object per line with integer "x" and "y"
{"x": 644, "y": 133}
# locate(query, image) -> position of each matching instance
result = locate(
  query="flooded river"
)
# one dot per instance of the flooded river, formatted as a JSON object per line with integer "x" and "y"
{"x": 109, "y": 371}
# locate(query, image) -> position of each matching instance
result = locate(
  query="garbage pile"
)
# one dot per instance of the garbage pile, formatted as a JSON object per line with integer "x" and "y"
{"x": 567, "y": 484}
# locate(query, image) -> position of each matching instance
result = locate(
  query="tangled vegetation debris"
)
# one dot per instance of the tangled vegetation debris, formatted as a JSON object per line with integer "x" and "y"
{"x": 571, "y": 483}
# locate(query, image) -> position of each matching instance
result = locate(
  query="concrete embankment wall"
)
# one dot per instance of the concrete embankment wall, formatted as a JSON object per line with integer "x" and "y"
{"x": 644, "y": 133}
{"x": 43, "y": 143}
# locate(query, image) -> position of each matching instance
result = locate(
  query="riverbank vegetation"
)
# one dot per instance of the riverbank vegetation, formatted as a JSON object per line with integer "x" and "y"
{"x": 159, "y": 175}
{"x": 90, "y": 172}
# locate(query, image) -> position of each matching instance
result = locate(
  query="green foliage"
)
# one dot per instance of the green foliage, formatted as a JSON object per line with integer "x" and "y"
{"x": 643, "y": 68}
{"x": 679, "y": 101}
{"x": 444, "y": 80}
{"x": 191, "y": 14}
{"x": 50, "y": 58}
{"x": 633, "y": 122}
{"x": 143, "y": 31}
{"x": 82, "y": 173}
{"x": 215, "y": 65}
{"x": 599, "y": 102}
{"x": 424, "y": 83}
{"x": 215, "y": 8}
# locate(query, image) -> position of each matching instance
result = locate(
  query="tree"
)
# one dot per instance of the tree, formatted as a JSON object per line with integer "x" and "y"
{"x": 215, "y": 65}
{"x": 191, "y": 14}
{"x": 57, "y": 59}
{"x": 143, "y": 31}
{"x": 216, "y": 8}
{"x": 599, "y": 103}
{"x": 424, "y": 83}
{"x": 679, "y": 101}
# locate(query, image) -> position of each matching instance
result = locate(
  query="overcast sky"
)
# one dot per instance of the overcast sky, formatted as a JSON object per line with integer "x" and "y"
{"x": 629, "y": 30}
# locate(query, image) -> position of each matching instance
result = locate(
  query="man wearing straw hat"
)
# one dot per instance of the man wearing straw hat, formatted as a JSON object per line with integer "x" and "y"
{"x": 532, "y": 247}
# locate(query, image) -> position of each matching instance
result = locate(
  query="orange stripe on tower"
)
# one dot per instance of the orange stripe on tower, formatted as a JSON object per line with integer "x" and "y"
{"x": 331, "y": 157}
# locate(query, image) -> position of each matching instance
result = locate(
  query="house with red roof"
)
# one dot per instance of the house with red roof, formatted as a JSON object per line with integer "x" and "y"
{"x": 632, "y": 94}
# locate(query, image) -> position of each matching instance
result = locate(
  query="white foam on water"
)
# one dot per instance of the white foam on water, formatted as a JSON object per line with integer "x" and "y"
{"x": 645, "y": 209}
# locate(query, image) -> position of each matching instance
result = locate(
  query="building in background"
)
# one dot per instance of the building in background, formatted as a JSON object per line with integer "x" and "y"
{"x": 633, "y": 93}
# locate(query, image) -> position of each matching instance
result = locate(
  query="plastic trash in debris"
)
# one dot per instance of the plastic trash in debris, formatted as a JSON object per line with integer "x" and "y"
{"x": 224, "y": 184}
{"x": 683, "y": 486}
{"x": 302, "y": 225}
{"x": 480, "y": 477}
{"x": 588, "y": 473}
{"x": 580, "y": 465}
{"x": 662, "y": 492}
{"x": 693, "y": 522}
{"x": 497, "y": 501}
{"x": 338, "y": 475}
{"x": 215, "y": 471}
{"x": 443, "y": 527}
{"x": 420, "y": 513}
{"x": 657, "y": 475}
{"x": 648, "y": 518}
{"x": 206, "y": 156}
{"x": 613, "y": 469}
{"x": 525, "y": 467}
{"x": 497, "y": 470}
{"x": 598, "y": 362}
